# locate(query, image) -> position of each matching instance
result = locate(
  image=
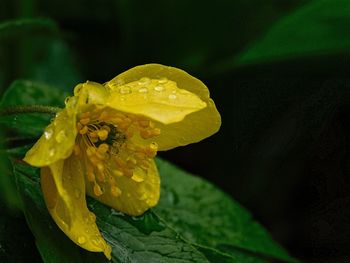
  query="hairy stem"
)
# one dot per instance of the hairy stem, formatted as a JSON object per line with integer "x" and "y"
{"x": 29, "y": 109}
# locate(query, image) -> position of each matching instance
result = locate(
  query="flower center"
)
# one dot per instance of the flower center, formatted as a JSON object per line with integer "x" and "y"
{"x": 110, "y": 147}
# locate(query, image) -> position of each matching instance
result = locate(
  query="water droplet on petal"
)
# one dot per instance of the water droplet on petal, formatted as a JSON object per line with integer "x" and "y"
{"x": 81, "y": 240}
{"x": 77, "y": 193}
{"x": 61, "y": 136}
{"x": 125, "y": 90}
{"x": 159, "y": 88}
{"x": 52, "y": 152}
{"x": 172, "y": 96}
{"x": 48, "y": 134}
{"x": 144, "y": 81}
{"x": 163, "y": 80}
{"x": 143, "y": 90}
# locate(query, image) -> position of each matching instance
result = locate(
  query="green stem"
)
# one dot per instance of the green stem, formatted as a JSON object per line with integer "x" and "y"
{"x": 29, "y": 109}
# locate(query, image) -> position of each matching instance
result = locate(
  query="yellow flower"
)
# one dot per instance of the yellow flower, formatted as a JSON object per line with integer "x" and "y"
{"x": 104, "y": 141}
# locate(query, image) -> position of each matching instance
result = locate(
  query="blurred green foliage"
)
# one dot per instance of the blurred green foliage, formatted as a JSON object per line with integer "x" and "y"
{"x": 277, "y": 70}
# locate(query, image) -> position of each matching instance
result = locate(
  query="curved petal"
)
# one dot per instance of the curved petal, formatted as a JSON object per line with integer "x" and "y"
{"x": 57, "y": 141}
{"x": 63, "y": 187}
{"x": 196, "y": 126}
{"x": 90, "y": 93}
{"x": 158, "y": 99}
{"x": 138, "y": 193}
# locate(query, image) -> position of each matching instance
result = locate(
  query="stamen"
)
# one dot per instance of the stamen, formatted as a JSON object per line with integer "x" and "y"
{"x": 85, "y": 121}
{"x": 97, "y": 190}
{"x": 84, "y": 130}
{"x": 102, "y": 134}
{"x": 115, "y": 191}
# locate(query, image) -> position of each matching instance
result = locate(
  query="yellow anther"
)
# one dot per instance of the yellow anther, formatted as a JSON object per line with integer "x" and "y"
{"x": 90, "y": 151}
{"x": 100, "y": 167}
{"x": 115, "y": 191}
{"x": 85, "y": 121}
{"x": 146, "y": 133}
{"x": 144, "y": 123}
{"x": 118, "y": 173}
{"x": 151, "y": 150}
{"x": 77, "y": 150}
{"x": 103, "y": 148}
{"x": 155, "y": 132}
{"x": 93, "y": 134}
{"x": 84, "y": 130}
{"x": 105, "y": 127}
{"x": 97, "y": 190}
{"x": 102, "y": 134}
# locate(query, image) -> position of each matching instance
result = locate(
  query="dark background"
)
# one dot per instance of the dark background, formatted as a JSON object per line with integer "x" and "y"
{"x": 278, "y": 72}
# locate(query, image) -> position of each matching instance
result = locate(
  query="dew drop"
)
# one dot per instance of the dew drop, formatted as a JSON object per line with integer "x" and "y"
{"x": 163, "y": 80}
{"x": 144, "y": 81}
{"x": 143, "y": 90}
{"x": 159, "y": 88}
{"x": 52, "y": 152}
{"x": 77, "y": 193}
{"x": 81, "y": 240}
{"x": 48, "y": 134}
{"x": 124, "y": 90}
{"x": 61, "y": 136}
{"x": 92, "y": 216}
{"x": 97, "y": 241}
{"x": 172, "y": 96}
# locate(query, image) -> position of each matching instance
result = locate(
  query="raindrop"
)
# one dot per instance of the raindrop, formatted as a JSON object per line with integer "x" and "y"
{"x": 124, "y": 90}
{"x": 61, "y": 136}
{"x": 52, "y": 152}
{"x": 144, "y": 81}
{"x": 159, "y": 88}
{"x": 163, "y": 80}
{"x": 172, "y": 96}
{"x": 48, "y": 134}
{"x": 81, "y": 240}
{"x": 143, "y": 90}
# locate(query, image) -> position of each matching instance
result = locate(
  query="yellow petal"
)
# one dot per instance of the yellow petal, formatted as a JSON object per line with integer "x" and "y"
{"x": 57, "y": 141}
{"x": 63, "y": 187}
{"x": 158, "y": 99}
{"x": 194, "y": 127}
{"x": 90, "y": 93}
{"x": 136, "y": 195}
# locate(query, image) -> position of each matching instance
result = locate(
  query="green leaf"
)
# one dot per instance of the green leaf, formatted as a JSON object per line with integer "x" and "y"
{"x": 26, "y": 27}
{"x": 148, "y": 238}
{"x": 23, "y": 92}
{"x": 141, "y": 239}
{"x": 205, "y": 215}
{"x": 315, "y": 29}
